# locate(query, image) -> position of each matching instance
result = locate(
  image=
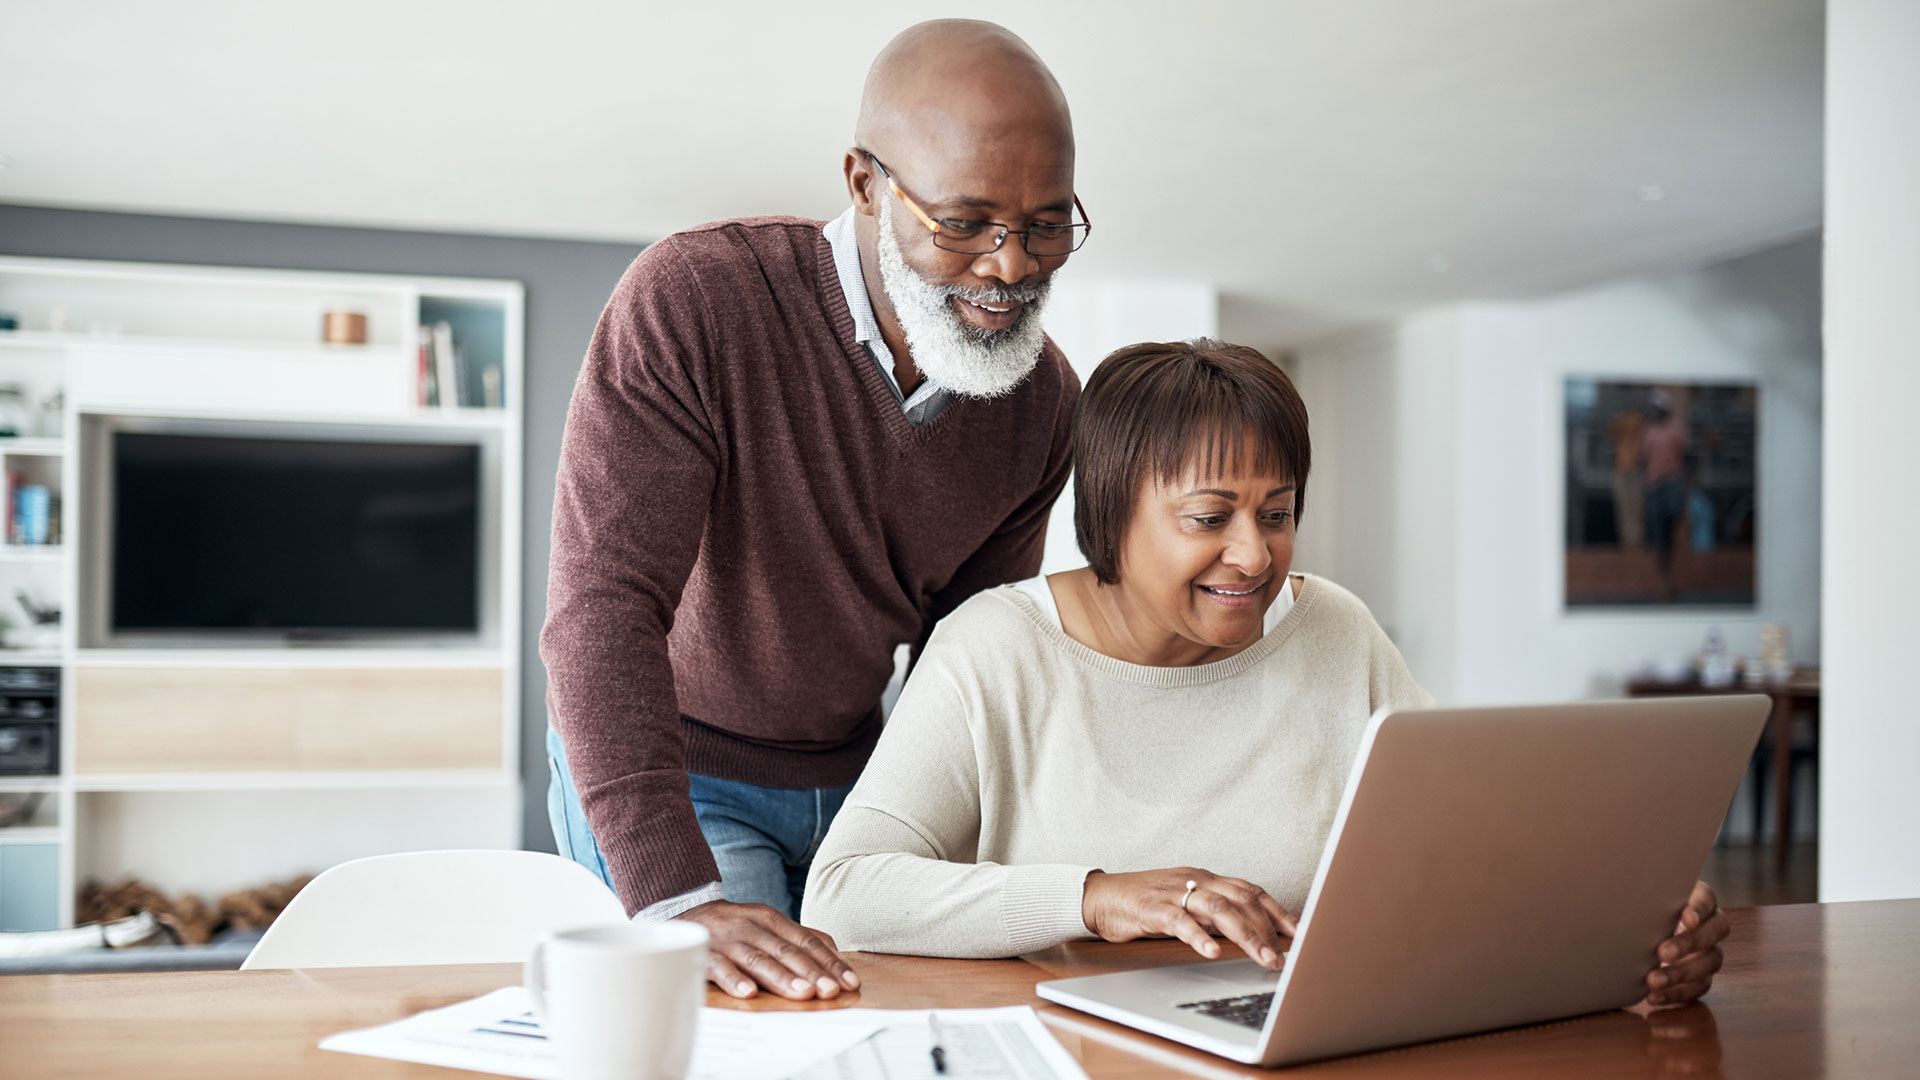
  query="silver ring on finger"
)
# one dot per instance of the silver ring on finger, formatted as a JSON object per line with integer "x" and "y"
{"x": 1191, "y": 885}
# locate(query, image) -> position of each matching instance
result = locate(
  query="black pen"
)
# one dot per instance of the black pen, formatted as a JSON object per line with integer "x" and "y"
{"x": 939, "y": 1052}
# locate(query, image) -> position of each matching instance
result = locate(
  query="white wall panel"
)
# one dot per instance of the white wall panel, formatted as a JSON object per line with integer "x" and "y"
{"x": 1870, "y": 738}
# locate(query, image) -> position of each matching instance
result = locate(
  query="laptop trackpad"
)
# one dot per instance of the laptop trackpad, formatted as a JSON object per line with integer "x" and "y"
{"x": 1215, "y": 979}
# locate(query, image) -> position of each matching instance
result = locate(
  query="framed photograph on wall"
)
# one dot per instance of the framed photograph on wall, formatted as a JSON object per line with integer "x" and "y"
{"x": 1660, "y": 494}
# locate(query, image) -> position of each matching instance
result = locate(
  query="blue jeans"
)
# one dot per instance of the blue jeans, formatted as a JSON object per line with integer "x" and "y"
{"x": 762, "y": 838}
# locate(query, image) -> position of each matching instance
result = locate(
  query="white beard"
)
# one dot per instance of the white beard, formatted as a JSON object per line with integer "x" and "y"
{"x": 946, "y": 348}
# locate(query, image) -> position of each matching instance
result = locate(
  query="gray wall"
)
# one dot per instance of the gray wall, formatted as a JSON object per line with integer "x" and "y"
{"x": 567, "y": 284}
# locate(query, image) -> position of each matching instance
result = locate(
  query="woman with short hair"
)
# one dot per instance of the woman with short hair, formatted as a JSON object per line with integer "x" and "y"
{"x": 1072, "y": 750}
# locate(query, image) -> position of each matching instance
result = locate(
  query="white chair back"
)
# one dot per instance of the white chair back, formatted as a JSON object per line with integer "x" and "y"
{"x": 434, "y": 907}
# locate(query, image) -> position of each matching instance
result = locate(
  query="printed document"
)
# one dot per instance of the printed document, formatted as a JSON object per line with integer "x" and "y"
{"x": 497, "y": 1033}
{"x": 1003, "y": 1044}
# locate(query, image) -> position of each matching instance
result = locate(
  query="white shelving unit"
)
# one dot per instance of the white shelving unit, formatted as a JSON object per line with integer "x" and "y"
{"x": 112, "y": 342}
{"x": 31, "y": 834}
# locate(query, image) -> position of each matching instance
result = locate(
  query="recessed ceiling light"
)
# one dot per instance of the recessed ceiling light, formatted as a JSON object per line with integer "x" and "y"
{"x": 1438, "y": 263}
{"x": 1652, "y": 192}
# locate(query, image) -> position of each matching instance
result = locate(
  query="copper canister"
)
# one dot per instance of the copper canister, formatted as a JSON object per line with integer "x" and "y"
{"x": 344, "y": 328}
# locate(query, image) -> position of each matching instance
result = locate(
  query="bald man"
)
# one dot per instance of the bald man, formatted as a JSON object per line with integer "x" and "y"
{"x": 793, "y": 447}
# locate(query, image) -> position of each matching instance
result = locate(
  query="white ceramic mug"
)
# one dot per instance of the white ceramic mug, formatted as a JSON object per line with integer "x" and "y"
{"x": 620, "y": 1002}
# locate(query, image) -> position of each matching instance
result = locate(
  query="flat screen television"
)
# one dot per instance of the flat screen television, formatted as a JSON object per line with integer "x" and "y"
{"x": 294, "y": 537}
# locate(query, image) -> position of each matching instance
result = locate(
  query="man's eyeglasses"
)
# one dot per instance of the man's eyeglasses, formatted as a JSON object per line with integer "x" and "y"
{"x": 969, "y": 237}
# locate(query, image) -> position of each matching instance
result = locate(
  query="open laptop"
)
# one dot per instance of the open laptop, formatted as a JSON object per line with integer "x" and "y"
{"x": 1486, "y": 868}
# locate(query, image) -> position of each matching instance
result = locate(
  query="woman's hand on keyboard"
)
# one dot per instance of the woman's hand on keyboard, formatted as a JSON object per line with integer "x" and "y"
{"x": 1158, "y": 903}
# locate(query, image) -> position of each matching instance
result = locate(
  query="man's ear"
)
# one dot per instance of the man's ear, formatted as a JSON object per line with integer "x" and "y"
{"x": 861, "y": 181}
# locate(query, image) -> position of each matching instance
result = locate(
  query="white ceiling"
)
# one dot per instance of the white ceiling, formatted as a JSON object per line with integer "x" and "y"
{"x": 1318, "y": 160}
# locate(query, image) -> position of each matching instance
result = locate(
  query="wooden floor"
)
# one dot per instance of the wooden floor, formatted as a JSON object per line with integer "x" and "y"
{"x": 1743, "y": 875}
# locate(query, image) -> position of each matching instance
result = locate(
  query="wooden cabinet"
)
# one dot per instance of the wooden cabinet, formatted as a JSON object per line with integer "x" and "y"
{"x": 246, "y": 719}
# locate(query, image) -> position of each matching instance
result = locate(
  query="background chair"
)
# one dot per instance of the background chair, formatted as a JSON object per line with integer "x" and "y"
{"x": 434, "y": 907}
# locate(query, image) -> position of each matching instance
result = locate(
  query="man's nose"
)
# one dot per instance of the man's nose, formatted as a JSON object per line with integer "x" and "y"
{"x": 1009, "y": 263}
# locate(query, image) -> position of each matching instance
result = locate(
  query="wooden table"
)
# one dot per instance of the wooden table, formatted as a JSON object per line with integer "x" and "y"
{"x": 1801, "y": 693}
{"x": 1809, "y": 990}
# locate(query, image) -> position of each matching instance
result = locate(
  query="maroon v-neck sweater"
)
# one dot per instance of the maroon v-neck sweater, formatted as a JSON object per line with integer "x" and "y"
{"x": 745, "y": 526}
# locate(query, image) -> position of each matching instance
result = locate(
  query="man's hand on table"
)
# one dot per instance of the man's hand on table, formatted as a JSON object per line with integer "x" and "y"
{"x": 1690, "y": 957}
{"x": 1123, "y": 907}
{"x": 753, "y": 943}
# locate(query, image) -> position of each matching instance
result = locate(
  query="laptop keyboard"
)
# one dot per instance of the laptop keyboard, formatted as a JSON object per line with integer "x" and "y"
{"x": 1248, "y": 1010}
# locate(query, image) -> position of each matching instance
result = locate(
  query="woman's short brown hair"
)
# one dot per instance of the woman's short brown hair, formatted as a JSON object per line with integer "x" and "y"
{"x": 1164, "y": 409}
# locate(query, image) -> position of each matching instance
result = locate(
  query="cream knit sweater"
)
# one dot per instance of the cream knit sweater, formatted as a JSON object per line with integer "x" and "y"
{"x": 1018, "y": 761}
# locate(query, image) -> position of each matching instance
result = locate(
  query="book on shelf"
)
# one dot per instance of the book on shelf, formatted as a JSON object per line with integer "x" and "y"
{"x": 447, "y": 378}
{"x": 428, "y": 387}
{"x": 447, "y": 362}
